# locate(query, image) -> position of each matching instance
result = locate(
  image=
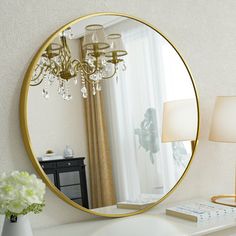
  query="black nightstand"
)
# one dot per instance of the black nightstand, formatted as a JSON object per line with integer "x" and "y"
{"x": 68, "y": 175}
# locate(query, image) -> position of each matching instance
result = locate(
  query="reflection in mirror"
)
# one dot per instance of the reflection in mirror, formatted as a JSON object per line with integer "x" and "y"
{"x": 112, "y": 112}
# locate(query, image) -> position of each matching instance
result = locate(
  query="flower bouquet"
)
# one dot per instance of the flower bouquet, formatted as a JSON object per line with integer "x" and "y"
{"x": 20, "y": 193}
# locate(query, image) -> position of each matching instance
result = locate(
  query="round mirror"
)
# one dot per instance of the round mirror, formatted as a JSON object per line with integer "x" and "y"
{"x": 109, "y": 114}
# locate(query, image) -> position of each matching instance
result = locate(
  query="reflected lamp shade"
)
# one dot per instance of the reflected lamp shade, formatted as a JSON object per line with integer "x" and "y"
{"x": 223, "y": 125}
{"x": 180, "y": 120}
{"x": 116, "y": 46}
{"x": 95, "y": 37}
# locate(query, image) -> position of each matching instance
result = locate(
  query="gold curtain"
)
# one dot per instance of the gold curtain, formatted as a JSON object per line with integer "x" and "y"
{"x": 102, "y": 190}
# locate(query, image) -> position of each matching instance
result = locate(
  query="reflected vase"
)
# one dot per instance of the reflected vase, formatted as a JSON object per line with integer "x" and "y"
{"x": 19, "y": 226}
{"x": 68, "y": 152}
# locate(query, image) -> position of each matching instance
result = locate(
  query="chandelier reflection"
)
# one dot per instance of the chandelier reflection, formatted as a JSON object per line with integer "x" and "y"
{"x": 103, "y": 58}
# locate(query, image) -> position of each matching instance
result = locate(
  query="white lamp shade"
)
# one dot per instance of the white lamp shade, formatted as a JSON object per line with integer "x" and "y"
{"x": 223, "y": 126}
{"x": 94, "y": 36}
{"x": 116, "y": 46}
{"x": 180, "y": 120}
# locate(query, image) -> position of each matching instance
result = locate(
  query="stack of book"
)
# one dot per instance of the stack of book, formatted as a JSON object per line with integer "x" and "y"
{"x": 134, "y": 205}
{"x": 199, "y": 210}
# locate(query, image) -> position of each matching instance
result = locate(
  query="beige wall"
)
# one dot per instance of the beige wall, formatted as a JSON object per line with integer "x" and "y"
{"x": 54, "y": 122}
{"x": 203, "y": 31}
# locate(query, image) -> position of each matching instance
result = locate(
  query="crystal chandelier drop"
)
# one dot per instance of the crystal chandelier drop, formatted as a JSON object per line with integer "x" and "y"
{"x": 102, "y": 60}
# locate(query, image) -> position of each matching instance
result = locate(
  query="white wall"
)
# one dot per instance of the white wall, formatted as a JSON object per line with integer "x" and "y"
{"x": 204, "y": 32}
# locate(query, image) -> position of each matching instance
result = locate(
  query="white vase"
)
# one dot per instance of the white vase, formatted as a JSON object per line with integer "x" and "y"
{"x": 21, "y": 227}
{"x": 68, "y": 152}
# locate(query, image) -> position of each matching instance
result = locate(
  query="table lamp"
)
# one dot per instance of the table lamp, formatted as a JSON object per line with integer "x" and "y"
{"x": 180, "y": 121}
{"x": 223, "y": 129}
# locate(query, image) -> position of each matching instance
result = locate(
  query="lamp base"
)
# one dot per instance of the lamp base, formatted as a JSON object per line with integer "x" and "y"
{"x": 226, "y": 200}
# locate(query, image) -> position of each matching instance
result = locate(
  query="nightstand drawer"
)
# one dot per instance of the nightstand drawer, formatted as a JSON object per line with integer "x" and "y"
{"x": 48, "y": 165}
{"x": 68, "y": 163}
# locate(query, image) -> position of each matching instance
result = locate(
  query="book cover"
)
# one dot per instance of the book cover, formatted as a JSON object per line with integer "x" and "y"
{"x": 199, "y": 210}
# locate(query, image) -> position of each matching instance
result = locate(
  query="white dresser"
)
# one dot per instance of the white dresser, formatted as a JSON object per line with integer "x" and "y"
{"x": 153, "y": 222}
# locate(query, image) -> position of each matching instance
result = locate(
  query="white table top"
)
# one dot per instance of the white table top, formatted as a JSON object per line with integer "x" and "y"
{"x": 112, "y": 210}
{"x": 153, "y": 222}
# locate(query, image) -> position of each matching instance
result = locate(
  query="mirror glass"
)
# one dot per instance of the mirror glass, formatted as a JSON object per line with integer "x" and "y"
{"x": 112, "y": 114}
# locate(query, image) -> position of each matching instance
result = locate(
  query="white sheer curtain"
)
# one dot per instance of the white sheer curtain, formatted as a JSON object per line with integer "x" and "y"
{"x": 142, "y": 87}
{"x": 126, "y": 101}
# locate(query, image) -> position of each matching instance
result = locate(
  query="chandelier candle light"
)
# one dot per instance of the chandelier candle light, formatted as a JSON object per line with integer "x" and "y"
{"x": 103, "y": 57}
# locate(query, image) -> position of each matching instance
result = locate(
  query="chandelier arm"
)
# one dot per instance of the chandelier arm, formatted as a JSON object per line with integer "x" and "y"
{"x": 81, "y": 65}
{"x": 90, "y": 81}
{"x": 63, "y": 61}
{"x": 68, "y": 61}
{"x": 38, "y": 76}
{"x": 56, "y": 69}
{"x": 41, "y": 71}
{"x": 42, "y": 77}
{"x": 110, "y": 76}
{"x": 37, "y": 83}
{"x": 51, "y": 67}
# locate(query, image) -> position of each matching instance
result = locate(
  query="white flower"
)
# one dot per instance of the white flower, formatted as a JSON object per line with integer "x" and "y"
{"x": 18, "y": 191}
{"x": 17, "y": 206}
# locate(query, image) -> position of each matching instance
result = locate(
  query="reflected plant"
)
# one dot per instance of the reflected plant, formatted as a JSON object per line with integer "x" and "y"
{"x": 148, "y": 133}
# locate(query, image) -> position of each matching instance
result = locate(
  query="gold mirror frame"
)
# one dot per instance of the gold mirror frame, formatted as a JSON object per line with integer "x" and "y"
{"x": 24, "y": 117}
